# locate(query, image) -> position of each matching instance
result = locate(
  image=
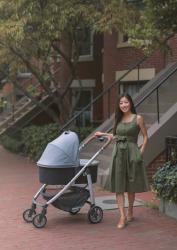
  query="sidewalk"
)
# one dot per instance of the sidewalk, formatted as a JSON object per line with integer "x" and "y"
{"x": 19, "y": 182}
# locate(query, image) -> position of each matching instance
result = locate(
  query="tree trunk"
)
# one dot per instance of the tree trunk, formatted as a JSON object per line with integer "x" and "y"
{"x": 66, "y": 77}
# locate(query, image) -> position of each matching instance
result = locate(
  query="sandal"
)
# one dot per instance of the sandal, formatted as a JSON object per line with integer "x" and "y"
{"x": 130, "y": 218}
{"x": 122, "y": 223}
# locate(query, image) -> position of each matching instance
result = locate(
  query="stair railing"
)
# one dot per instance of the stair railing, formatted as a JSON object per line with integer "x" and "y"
{"x": 156, "y": 89}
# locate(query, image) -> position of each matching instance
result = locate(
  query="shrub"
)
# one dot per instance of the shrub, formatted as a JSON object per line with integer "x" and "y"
{"x": 83, "y": 132}
{"x": 14, "y": 145}
{"x": 165, "y": 182}
{"x": 35, "y": 138}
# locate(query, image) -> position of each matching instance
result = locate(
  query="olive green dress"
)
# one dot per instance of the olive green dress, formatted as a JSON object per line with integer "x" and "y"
{"x": 127, "y": 173}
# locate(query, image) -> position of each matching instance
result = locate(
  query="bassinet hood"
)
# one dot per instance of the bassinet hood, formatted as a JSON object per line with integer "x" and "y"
{"x": 62, "y": 152}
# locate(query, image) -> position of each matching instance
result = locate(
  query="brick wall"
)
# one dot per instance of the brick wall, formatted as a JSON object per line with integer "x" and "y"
{"x": 157, "y": 162}
{"x": 93, "y": 70}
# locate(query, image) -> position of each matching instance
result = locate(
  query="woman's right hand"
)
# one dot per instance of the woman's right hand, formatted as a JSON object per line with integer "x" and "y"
{"x": 98, "y": 133}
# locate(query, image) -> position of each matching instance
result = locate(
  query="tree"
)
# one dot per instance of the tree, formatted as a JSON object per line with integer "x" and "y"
{"x": 34, "y": 32}
{"x": 156, "y": 25}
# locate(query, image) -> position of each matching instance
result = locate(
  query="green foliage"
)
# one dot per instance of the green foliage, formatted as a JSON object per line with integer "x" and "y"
{"x": 30, "y": 27}
{"x": 34, "y": 33}
{"x": 83, "y": 132}
{"x": 35, "y": 138}
{"x": 14, "y": 145}
{"x": 116, "y": 15}
{"x": 165, "y": 182}
{"x": 157, "y": 24}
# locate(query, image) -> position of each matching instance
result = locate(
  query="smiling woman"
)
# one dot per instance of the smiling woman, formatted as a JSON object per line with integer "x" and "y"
{"x": 127, "y": 173}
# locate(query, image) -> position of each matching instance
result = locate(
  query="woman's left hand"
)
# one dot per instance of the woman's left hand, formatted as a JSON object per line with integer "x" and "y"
{"x": 141, "y": 150}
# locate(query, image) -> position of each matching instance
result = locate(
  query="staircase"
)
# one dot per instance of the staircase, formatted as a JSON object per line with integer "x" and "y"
{"x": 8, "y": 118}
{"x": 157, "y": 103}
{"x": 23, "y": 112}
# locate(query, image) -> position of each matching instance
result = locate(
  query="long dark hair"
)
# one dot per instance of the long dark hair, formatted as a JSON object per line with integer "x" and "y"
{"x": 119, "y": 113}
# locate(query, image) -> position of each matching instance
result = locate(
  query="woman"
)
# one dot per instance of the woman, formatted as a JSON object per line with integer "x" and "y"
{"x": 127, "y": 173}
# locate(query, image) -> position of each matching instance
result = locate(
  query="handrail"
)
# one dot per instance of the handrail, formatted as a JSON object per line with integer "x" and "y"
{"x": 156, "y": 88}
{"x": 148, "y": 93}
{"x": 15, "y": 130}
{"x": 103, "y": 93}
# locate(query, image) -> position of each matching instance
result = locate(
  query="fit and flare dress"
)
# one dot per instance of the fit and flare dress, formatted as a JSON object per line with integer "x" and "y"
{"x": 127, "y": 173}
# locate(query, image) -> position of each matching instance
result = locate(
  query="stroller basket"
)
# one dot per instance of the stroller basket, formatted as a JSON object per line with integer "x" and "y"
{"x": 70, "y": 201}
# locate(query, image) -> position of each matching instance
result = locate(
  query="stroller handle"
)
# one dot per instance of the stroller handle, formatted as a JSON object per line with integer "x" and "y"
{"x": 109, "y": 139}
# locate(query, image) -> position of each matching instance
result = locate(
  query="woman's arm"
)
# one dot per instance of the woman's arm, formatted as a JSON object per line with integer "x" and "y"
{"x": 98, "y": 133}
{"x": 140, "y": 122}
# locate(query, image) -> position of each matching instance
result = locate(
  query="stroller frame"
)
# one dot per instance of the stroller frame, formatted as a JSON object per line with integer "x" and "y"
{"x": 95, "y": 213}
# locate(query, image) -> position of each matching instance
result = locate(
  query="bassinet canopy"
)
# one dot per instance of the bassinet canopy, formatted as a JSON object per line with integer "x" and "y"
{"x": 62, "y": 152}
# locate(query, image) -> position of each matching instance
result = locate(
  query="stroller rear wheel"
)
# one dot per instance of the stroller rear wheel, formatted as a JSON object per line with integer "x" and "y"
{"x": 95, "y": 214}
{"x": 28, "y": 215}
{"x": 39, "y": 221}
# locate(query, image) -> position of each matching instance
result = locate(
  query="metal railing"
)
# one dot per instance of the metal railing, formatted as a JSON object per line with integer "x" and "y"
{"x": 165, "y": 79}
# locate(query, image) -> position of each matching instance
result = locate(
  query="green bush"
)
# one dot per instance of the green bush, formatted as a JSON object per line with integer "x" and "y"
{"x": 165, "y": 182}
{"x": 14, "y": 145}
{"x": 35, "y": 139}
{"x": 83, "y": 132}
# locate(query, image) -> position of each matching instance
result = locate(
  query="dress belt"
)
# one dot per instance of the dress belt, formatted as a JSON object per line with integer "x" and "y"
{"x": 122, "y": 140}
{"x": 122, "y": 144}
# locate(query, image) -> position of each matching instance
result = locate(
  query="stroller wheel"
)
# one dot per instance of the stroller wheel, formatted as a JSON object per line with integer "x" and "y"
{"x": 95, "y": 214}
{"x": 39, "y": 221}
{"x": 74, "y": 212}
{"x": 28, "y": 215}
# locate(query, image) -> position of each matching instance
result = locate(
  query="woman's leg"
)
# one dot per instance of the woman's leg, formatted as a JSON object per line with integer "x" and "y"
{"x": 121, "y": 205}
{"x": 131, "y": 199}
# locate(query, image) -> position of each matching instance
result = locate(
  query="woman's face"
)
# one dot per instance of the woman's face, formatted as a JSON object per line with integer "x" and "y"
{"x": 124, "y": 105}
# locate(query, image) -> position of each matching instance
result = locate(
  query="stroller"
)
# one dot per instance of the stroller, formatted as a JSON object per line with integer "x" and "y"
{"x": 60, "y": 165}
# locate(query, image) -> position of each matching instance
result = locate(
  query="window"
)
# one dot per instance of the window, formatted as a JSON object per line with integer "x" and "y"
{"x": 131, "y": 88}
{"x": 122, "y": 40}
{"x": 23, "y": 72}
{"x": 84, "y": 99}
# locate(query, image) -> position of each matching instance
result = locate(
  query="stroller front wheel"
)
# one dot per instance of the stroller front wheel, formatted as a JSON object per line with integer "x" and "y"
{"x": 28, "y": 215}
{"x": 95, "y": 214}
{"x": 39, "y": 221}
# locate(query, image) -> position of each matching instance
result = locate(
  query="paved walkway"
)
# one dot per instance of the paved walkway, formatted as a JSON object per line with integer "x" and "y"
{"x": 19, "y": 182}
